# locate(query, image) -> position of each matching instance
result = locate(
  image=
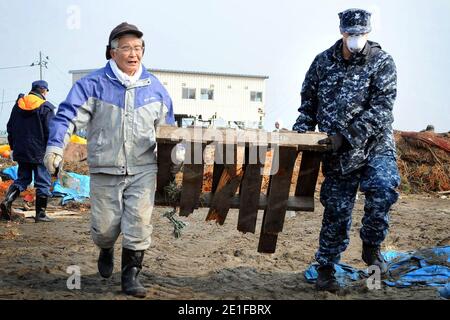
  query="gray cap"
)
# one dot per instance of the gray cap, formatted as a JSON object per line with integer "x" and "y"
{"x": 355, "y": 21}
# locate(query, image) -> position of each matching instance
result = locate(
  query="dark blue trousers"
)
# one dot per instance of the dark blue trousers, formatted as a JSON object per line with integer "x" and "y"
{"x": 378, "y": 179}
{"x": 42, "y": 178}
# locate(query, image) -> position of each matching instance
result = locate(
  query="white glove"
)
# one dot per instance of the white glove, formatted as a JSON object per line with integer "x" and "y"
{"x": 52, "y": 161}
{"x": 177, "y": 163}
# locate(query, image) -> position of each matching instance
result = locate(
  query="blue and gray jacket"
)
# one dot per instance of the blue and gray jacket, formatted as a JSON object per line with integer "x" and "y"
{"x": 354, "y": 98}
{"x": 120, "y": 121}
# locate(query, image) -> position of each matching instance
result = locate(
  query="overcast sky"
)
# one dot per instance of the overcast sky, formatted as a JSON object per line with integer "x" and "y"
{"x": 275, "y": 38}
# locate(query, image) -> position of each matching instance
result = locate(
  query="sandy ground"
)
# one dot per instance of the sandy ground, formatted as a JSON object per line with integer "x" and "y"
{"x": 209, "y": 261}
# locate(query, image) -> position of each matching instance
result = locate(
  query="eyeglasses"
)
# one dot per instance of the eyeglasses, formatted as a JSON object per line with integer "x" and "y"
{"x": 128, "y": 49}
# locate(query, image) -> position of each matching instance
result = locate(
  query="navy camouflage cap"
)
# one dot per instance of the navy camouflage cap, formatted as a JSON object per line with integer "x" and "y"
{"x": 355, "y": 21}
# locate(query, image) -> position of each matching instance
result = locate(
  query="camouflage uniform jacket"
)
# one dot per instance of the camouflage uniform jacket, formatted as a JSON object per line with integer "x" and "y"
{"x": 354, "y": 98}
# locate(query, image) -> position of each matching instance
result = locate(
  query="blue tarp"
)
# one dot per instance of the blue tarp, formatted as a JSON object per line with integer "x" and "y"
{"x": 445, "y": 291}
{"x": 12, "y": 172}
{"x": 344, "y": 273}
{"x": 68, "y": 194}
{"x": 59, "y": 191}
{"x": 426, "y": 267}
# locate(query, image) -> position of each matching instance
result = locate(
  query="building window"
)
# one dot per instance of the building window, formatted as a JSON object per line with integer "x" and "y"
{"x": 207, "y": 94}
{"x": 189, "y": 93}
{"x": 256, "y": 96}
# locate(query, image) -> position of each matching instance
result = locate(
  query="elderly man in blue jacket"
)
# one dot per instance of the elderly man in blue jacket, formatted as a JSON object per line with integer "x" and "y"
{"x": 120, "y": 105}
{"x": 27, "y": 136}
{"x": 349, "y": 92}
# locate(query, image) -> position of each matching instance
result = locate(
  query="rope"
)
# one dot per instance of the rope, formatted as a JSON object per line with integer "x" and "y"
{"x": 177, "y": 224}
{"x": 173, "y": 193}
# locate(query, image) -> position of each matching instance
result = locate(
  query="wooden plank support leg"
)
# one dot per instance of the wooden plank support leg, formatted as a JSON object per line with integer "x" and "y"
{"x": 192, "y": 178}
{"x": 219, "y": 165}
{"x": 164, "y": 176}
{"x": 226, "y": 187}
{"x": 250, "y": 190}
{"x": 278, "y": 194}
{"x": 307, "y": 178}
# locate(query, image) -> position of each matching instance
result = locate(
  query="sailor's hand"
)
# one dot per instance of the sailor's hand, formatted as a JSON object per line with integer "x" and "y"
{"x": 336, "y": 142}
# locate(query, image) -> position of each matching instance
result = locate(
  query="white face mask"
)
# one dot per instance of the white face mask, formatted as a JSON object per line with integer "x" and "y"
{"x": 356, "y": 43}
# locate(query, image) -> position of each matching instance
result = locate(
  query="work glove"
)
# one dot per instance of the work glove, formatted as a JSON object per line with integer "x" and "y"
{"x": 52, "y": 161}
{"x": 336, "y": 143}
{"x": 178, "y": 160}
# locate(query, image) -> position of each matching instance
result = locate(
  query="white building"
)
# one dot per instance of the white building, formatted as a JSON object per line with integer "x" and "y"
{"x": 224, "y": 99}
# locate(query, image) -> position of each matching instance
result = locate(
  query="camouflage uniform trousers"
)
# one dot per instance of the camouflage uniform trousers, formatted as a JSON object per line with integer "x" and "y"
{"x": 378, "y": 179}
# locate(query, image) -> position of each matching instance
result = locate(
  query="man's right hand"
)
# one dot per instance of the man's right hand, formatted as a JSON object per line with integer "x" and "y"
{"x": 52, "y": 161}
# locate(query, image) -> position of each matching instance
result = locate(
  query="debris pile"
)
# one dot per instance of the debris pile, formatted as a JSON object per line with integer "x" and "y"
{"x": 423, "y": 161}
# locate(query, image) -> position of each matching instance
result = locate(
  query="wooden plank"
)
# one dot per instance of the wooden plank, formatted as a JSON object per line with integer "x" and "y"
{"x": 250, "y": 190}
{"x": 307, "y": 178}
{"x": 205, "y": 200}
{"x": 164, "y": 176}
{"x": 278, "y": 192}
{"x": 278, "y": 195}
{"x": 219, "y": 160}
{"x": 225, "y": 189}
{"x": 192, "y": 178}
{"x": 304, "y": 141}
{"x": 267, "y": 243}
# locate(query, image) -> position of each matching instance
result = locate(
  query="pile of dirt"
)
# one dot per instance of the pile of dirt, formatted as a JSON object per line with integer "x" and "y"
{"x": 423, "y": 161}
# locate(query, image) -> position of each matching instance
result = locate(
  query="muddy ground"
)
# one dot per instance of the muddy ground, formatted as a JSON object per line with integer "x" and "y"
{"x": 209, "y": 261}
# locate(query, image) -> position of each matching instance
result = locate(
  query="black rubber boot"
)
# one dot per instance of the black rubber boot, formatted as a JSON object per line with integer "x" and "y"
{"x": 11, "y": 195}
{"x": 41, "y": 206}
{"x": 326, "y": 281}
{"x": 131, "y": 266}
{"x": 106, "y": 262}
{"x": 371, "y": 255}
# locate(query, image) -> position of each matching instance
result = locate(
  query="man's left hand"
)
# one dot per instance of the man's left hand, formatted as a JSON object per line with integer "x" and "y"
{"x": 177, "y": 163}
{"x": 336, "y": 142}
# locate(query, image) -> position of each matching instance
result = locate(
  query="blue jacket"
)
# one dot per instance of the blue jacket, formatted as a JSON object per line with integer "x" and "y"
{"x": 354, "y": 98}
{"x": 120, "y": 121}
{"x": 28, "y": 127}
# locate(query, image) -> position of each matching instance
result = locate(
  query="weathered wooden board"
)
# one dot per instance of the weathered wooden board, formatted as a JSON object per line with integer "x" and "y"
{"x": 164, "y": 176}
{"x": 192, "y": 178}
{"x": 309, "y": 171}
{"x": 229, "y": 176}
{"x": 304, "y": 141}
{"x": 225, "y": 188}
{"x": 278, "y": 195}
{"x": 250, "y": 189}
{"x": 205, "y": 200}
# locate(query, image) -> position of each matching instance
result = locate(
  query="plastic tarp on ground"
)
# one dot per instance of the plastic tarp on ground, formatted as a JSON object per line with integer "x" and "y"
{"x": 67, "y": 194}
{"x": 426, "y": 267}
{"x": 12, "y": 172}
